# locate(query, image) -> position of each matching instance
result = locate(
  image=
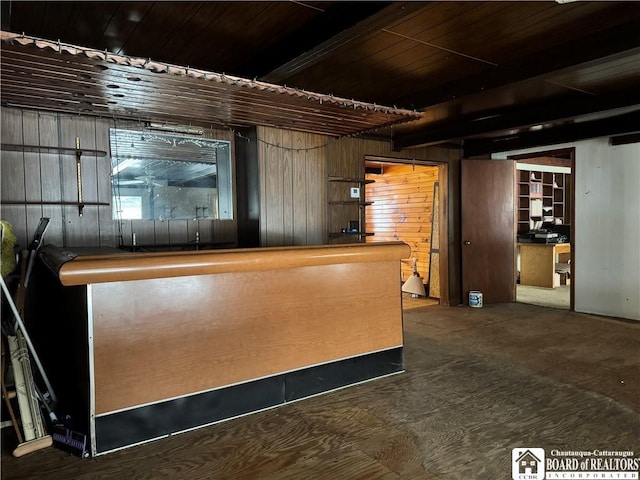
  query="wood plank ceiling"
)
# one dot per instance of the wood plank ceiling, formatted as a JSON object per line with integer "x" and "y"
{"x": 484, "y": 75}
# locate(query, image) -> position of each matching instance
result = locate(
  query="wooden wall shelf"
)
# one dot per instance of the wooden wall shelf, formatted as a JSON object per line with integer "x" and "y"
{"x": 350, "y": 180}
{"x": 351, "y": 202}
{"x": 75, "y": 204}
{"x": 361, "y": 234}
{"x": 77, "y": 152}
{"x": 15, "y": 147}
{"x": 345, "y": 210}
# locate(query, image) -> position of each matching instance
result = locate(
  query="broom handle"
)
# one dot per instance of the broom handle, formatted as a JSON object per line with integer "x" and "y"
{"x": 5, "y": 394}
{"x": 32, "y": 350}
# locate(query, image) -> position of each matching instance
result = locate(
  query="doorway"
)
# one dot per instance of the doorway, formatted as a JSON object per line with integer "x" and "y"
{"x": 544, "y": 224}
{"x": 404, "y": 205}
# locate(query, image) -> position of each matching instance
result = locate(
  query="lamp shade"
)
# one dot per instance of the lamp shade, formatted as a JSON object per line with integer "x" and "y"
{"x": 414, "y": 286}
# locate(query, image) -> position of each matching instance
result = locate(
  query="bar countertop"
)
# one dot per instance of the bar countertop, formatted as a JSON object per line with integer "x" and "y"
{"x": 82, "y": 268}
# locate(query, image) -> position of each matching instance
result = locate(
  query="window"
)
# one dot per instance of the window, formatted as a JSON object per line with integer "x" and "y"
{"x": 129, "y": 207}
{"x": 165, "y": 176}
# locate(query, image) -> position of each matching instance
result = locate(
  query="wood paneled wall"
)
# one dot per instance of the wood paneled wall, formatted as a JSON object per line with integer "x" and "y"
{"x": 403, "y": 210}
{"x": 346, "y": 158}
{"x": 292, "y": 187}
{"x": 293, "y": 171}
{"x": 29, "y": 178}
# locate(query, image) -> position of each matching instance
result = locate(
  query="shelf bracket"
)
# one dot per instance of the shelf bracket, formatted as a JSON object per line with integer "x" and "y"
{"x": 79, "y": 176}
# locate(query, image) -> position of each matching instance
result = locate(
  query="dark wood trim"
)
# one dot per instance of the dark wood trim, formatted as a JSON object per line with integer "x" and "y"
{"x": 572, "y": 229}
{"x": 562, "y": 154}
{"x": 453, "y": 239}
{"x": 570, "y": 155}
{"x": 505, "y": 119}
{"x": 625, "y": 139}
{"x": 247, "y": 187}
{"x": 443, "y": 179}
{"x": 625, "y": 123}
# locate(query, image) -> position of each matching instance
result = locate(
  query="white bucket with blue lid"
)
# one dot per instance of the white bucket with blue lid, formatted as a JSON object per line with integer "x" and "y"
{"x": 475, "y": 299}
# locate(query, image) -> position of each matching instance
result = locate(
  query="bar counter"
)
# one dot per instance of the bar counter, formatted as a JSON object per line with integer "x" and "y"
{"x": 166, "y": 342}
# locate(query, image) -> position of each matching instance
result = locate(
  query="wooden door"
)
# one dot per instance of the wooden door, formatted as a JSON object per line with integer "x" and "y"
{"x": 488, "y": 230}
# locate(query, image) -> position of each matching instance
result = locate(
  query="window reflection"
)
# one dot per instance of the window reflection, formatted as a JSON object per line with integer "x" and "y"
{"x": 165, "y": 176}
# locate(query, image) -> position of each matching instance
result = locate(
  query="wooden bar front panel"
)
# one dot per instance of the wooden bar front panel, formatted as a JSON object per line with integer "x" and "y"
{"x": 168, "y": 337}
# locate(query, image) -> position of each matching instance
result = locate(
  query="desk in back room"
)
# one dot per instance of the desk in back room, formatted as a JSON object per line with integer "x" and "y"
{"x": 538, "y": 262}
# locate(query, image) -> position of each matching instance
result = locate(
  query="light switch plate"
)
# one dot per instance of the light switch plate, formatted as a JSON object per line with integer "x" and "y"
{"x": 355, "y": 192}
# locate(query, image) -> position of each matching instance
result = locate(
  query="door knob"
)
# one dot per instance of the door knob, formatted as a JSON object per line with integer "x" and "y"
{"x": 467, "y": 242}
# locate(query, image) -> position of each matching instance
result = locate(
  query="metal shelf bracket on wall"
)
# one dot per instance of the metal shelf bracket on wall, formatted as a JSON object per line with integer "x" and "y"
{"x": 77, "y": 151}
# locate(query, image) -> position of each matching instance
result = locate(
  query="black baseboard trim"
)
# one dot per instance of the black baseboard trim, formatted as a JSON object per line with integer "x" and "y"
{"x": 330, "y": 376}
{"x": 138, "y": 425}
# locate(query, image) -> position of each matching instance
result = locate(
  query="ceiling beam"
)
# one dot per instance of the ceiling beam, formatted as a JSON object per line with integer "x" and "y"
{"x": 505, "y": 119}
{"x": 625, "y": 139}
{"x": 594, "y": 47}
{"x": 620, "y": 124}
{"x": 377, "y": 18}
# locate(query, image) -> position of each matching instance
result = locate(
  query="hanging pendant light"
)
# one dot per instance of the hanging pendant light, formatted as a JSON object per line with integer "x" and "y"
{"x": 414, "y": 284}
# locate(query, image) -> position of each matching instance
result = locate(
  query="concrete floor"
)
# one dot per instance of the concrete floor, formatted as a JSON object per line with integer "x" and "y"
{"x": 478, "y": 383}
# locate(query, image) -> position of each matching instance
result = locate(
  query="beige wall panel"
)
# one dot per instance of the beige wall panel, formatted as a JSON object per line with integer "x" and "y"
{"x": 149, "y": 346}
{"x": 434, "y": 261}
{"x": 434, "y": 276}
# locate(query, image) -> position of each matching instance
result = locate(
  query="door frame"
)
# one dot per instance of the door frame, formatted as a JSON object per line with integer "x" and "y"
{"x": 443, "y": 217}
{"x": 570, "y": 153}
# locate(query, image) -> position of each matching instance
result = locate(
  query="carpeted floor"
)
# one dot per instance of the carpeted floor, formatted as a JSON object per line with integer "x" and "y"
{"x": 546, "y": 297}
{"x": 478, "y": 383}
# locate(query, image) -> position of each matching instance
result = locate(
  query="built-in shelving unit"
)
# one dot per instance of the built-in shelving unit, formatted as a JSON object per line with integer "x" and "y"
{"x": 542, "y": 196}
{"x": 346, "y": 210}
